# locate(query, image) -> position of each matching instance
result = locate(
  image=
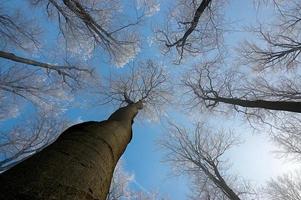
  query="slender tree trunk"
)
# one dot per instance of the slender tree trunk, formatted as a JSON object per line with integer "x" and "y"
{"x": 60, "y": 69}
{"x": 15, "y": 58}
{"x": 221, "y": 183}
{"x": 78, "y": 166}
{"x": 193, "y": 24}
{"x": 227, "y": 190}
{"x": 291, "y": 106}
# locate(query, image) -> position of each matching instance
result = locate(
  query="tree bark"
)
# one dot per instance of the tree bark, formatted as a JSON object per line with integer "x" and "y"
{"x": 78, "y": 165}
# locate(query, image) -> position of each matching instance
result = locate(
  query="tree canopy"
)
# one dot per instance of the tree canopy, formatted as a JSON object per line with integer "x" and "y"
{"x": 203, "y": 72}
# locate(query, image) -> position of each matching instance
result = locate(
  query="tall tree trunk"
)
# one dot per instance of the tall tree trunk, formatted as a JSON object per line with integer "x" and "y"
{"x": 78, "y": 165}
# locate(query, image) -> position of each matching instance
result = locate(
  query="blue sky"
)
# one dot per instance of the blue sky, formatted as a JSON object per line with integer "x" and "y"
{"x": 252, "y": 160}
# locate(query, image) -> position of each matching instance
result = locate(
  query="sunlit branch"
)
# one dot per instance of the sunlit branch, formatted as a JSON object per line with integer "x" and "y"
{"x": 63, "y": 71}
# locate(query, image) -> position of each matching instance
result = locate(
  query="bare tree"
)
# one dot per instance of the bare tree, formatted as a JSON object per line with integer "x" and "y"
{"x": 233, "y": 88}
{"x": 82, "y": 158}
{"x": 279, "y": 45}
{"x": 200, "y": 155}
{"x": 90, "y": 24}
{"x": 193, "y": 28}
{"x": 145, "y": 81}
{"x": 16, "y": 30}
{"x": 264, "y": 101}
{"x": 287, "y": 186}
{"x": 41, "y": 83}
{"x": 29, "y": 138}
{"x": 20, "y": 84}
{"x": 19, "y": 32}
{"x": 288, "y": 137}
{"x": 68, "y": 73}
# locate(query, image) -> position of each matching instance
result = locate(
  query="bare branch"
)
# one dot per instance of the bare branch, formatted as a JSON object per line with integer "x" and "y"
{"x": 288, "y": 137}
{"x": 192, "y": 25}
{"x": 146, "y": 82}
{"x": 280, "y": 45}
{"x": 284, "y": 187}
{"x": 66, "y": 71}
{"x": 192, "y": 29}
{"x": 247, "y": 96}
{"x": 44, "y": 90}
{"x": 17, "y": 30}
{"x": 260, "y": 100}
{"x": 29, "y": 138}
{"x": 89, "y": 23}
{"x": 200, "y": 154}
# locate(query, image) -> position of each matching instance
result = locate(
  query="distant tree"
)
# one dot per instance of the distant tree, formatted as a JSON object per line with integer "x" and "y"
{"x": 264, "y": 102}
{"x": 288, "y": 137}
{"x": 145, "y": 81}
{"x": 31, "y": 137}
{"x": 200, "y": 155}
{"x": 269, "y": 90}
{"x": 192, "y": 28}
{"x": 22, "y": 78}
{"x": 287, "y": 186}
{"x": 91, "y": 24}
{"x": 19, "y": 32}
{"x": 278, "y": 46}
{"x": 83, "y": 158}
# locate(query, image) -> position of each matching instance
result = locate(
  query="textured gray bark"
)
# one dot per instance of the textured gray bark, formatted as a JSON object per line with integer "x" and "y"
{"x": 78, "y": 165}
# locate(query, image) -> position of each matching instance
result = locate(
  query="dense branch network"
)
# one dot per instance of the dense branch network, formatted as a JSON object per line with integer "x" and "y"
{"x": 39, "y": 82}
{"x": 146, "y": 82}
{"x": 67, "y": 72}
{"x": 29, "y": 138}
{"x": 90, "y": 24}
{"x": 259, "y": 99}
{"x": 280, "y": 47}
{"x": 286, "y": 186}
{"x": 16, "y": 30}
{"x": 200, "y": 155}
